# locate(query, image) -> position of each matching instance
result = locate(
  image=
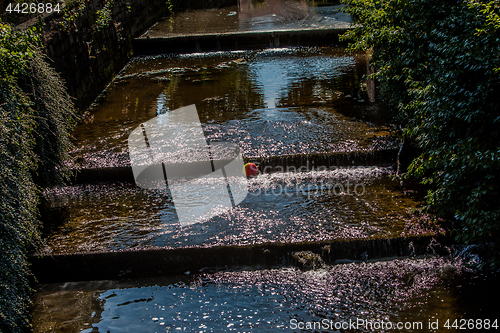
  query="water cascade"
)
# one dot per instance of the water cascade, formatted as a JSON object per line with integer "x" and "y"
{"x": 326, "y": 233}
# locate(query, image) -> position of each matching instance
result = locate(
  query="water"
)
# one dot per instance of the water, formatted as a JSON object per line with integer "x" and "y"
{"x": 345, "y": 203}
{"x": 252, "y": 300}
{"x": 272, "y": 102}
{"x": 253, "y": 15}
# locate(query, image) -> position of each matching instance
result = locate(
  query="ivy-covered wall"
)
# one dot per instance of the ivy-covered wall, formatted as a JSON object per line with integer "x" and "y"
{"x": 36, "y": 117}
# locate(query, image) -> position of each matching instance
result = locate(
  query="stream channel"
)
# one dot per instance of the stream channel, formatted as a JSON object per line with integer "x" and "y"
{"x": 288, "y": 104}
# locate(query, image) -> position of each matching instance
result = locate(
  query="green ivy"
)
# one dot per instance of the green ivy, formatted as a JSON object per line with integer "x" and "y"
{"x": 437, "y": 63}
{"x": 104, "y": 18}
{"x": 36, "y": 117}
{"x": 71, "y": 11}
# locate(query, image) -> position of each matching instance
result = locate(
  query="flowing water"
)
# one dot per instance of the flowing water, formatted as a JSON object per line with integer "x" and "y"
{"x": 414, "y": 292}
{"x": 252, "y": 15}
{"x": 271, "y": 102}
{"x": 339, "y": 204}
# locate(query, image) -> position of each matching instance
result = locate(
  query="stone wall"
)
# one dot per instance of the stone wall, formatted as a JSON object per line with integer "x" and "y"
{"x": 88, "y": 55}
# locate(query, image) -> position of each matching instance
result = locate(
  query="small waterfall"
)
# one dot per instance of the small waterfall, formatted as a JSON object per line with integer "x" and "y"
{"x": 310, "y": 162}
{"x": 268, "y": 164}
{"x": 168, "y": 261}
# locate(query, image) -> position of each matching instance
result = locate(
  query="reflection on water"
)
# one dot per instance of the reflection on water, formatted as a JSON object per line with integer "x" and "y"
{"x": 277, "y": 77}
{"x": 253, "y": 15}
{"x": 273, "y": 102}
{"x": 352, "y": 203}
{"x": 273, "y": 300}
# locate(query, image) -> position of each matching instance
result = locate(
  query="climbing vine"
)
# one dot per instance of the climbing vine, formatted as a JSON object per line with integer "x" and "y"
{"x": 437, "y": 63}
{"x": 36, "y": 117}
{"x": 72, "y": 10}
{"x": 104, "y": 18}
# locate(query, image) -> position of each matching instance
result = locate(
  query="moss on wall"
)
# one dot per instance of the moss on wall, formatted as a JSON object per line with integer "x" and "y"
{"x": 93, "y": 42}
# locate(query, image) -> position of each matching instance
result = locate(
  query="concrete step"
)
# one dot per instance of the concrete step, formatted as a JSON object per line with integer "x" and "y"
{"x": 248, "y": 40}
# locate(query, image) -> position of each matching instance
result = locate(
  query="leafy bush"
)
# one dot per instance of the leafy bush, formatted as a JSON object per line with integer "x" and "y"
{"x": 104, "y": 18}
{"x": 36, "y": 116}
{"x": 71, "y": 12}
{"x": 437, "y": 63}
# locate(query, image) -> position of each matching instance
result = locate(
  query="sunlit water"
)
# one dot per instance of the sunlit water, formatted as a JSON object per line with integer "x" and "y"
{"x": 347, "y": 203}
{"x": 272, "y": 102}
{"x": 253, "y": 15}
{"x": 274, "y": 300}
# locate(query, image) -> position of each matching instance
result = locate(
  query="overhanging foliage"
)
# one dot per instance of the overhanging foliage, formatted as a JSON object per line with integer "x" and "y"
{"x": 438, "y": 65}
{"x": 36, "y": 116}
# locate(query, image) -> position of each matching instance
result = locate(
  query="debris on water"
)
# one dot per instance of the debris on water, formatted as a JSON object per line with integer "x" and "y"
{"x": 308, "y": 259}
{"x": 240, "y": 61}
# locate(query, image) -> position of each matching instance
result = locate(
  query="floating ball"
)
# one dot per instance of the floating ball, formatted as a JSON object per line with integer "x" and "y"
{"x": 250, "y": 169}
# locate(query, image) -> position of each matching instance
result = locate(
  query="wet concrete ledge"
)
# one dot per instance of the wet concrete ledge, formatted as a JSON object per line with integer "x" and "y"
{"x": 248, "y": 40}
{"x": 162, "y": 262}
{"x": 299, "y": 163}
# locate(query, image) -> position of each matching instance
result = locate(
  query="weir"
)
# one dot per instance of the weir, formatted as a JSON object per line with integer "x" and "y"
{"x": 271, "y": 103}
{"x": 337, "y": 204}
{"x": 299, "y": 163}
{"x": 249, "y": 40}
{"x": 129, "y": 264}
{"x": 271, "y": 24}
{"x": 312, "y": 129}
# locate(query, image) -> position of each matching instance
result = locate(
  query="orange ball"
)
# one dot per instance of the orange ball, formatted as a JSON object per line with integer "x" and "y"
{"x": 250, "y": 169}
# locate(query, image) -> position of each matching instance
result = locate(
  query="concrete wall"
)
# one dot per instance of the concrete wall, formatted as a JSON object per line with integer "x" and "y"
{"x": 87, "y": 56}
